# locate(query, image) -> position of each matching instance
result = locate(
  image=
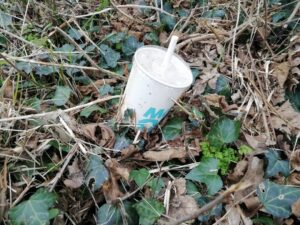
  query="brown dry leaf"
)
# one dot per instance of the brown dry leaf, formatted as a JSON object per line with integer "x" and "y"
{"x": 117, "y": 169}
{"x": 75, "y": 177}
{"x": 239, "y": 171}
{"x": 7, "y": 89}
{"x": 254, "y": 175}
{"x": 295, "y": 160}
{"x": 180, "y": 185}
{"x": 111, "y": 190}
{"x": 168, "y": 154}
{"x": 129, "y": 151}
{"x": 257, "y": 142}
{"x": 219, "y": 102}
{"x": 163, "y": 37}
{"x": 294, "y": 178}
{"x": 252, "y": 204}
{"x": 99, "y": 133}
{"x": 296, "y": 208}
{"x": 281, "y": 72}
{"x": 182, "y": 206}
{"x": 233, "y": 216}
{"x": 287, "y": 112}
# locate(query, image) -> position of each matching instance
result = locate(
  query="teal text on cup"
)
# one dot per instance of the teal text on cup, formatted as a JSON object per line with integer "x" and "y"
{"x": 152, "y": 117}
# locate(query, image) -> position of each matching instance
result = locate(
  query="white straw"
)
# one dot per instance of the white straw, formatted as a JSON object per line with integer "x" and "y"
{"x": 169, "y": 53}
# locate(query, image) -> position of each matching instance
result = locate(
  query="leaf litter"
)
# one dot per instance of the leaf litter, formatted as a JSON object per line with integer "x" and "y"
{"x": 245, "y": 96}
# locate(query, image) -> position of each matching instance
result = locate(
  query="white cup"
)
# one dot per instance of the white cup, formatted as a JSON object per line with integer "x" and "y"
{"x": 150, "y": 92}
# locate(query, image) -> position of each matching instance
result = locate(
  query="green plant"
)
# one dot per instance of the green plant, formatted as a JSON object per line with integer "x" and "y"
{"x": 224, "y": 154}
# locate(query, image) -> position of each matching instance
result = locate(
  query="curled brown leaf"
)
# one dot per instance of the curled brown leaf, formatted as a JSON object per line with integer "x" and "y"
{"x": 168, "y": 154}
{"x": 295, "y": 160}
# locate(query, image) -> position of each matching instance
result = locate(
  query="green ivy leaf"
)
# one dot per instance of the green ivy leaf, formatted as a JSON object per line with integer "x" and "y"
{"x": 5, "y": 20}
{"x": 152, "y": 38}
{"x": 105, "y": 89}
{"x": 96, "y": 172}
{"x": 156, "y": 184}
{"x": 224, "y": 131}
{"x": 277, "y": 199}
{"x": 86, "y": 112}
{"x": 116, "y": 37}
{"x": 25, "y": 66}
{"x": 173, "y": 128}
{"x": 35, "y": 210}
{"x": 207, "y": 172}
{"x": 75, "y": 34}
{"x": 62, "y": 95}
{"x": 139, "y": 176}
{"x": 149, "y": 211}
{"x": 111, "y": 215}
{"x": 66, "y": 48}
{"x": 276, "y": 165}
{"x": 223, "y": 86}
{"x": 263, "y": 220}
{"x": 111, "y": 57}
{"x": 131, "y": 45}
{"x": 294, "y": 97}
{"x": 214, "y": 14}
{"x": 168, "y": 21}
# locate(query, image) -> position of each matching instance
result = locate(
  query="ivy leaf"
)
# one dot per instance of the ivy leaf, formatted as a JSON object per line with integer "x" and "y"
{"x": 111, "y": 215}
{"x": 105, "y": 89}
{"x": 264, "y": 220}
{"x": 86, "y": 112}
{"x": 131, "y": 45}
{"x": 45, "y": 70}
{"x": 173, "y": 128}
{"x": 224, "y": 131}
{"x": 149, "y": 211}
{"x": 214, "y": 14}
{"x": 95, "y": 172}
{"x": 75, "y": 34}
{"x": 214, "y": 212}
{"x": 223, "y": 86}
{"x": 111, "y": 57}
{"x": 139, "y": 176}
{"x": 294, "y": 97}
{"x": 35, "y": 210}
{"x": 25, "y": 66}
{"x": 207, "y": 172}
{"x": 116, "y": 38}
{"x": 168, "y": 21}
{"x": 277, "y": 199}
{"x": 276, "y": 165}
{"x": 62, "y": 95}
{"x": 66, "y": 48}
{"x": 156, "y": 184}
{"x": 5, "y": 20}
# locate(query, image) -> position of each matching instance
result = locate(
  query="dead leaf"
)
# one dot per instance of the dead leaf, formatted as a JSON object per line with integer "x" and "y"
{"x": 295, "y": 160}
{"x": 233, "y": 215}
{"x": 219, "y": 101}
{"x": 252, "y": 204}
{"x": 294, "y": 178}
{"x": 99, "y": 133}
{"x": 7, "y": 89}
{"x": 239, "y": 171}
{"x": 116, "y": 169}
{"x": 183, "y": 206}
{"x": 180, "y": 185}
{"x": 111, "y": 190}
{"x": 281, "y": 72}
{"x": 129, "y": 151}
{"x": 75, "y": 177}
{"x": 257, "y": 142}
{"x": 292, "y": 117}
{"x": 296, "y": 208}
{"x": 163, "y": 37}
{"x": 168, "y": 154}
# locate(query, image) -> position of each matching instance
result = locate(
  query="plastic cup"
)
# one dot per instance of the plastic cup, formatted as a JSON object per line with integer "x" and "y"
{"x": 149, "y": 93}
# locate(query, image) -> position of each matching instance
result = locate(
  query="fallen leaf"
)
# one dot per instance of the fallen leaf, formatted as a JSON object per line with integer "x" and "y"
{"x": 7, "y": 89}
{"x": 257, "y": 142}
{"x": 111, "y": 190}
{"x": 233, "y": 215}
{"x": 219, "y": 101}
{"x": 180, "y": 185}
{"x": 295, "y": 160}
{"x": 75, "y": 177}
{"x": 281, "y": 72}
{"x": 168, "y": 154}
{"x": 182, "y": 206}
{"x": 93, "y": 88}
{"x": 296, "y": 208}
{"x": 99, "y": 133}
{"x": 287, "y": 112}
{"x": 252, "y": 204}
{"x": 239, "y": 171}
{"x": 117, "y": 169}
{"x": 294, "y": 178}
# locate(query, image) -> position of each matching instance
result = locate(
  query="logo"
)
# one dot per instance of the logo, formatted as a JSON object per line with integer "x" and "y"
{"x": 152, "y": 117}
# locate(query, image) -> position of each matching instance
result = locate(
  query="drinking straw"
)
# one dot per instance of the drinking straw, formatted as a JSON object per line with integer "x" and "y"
{"x": 169, "y": 53}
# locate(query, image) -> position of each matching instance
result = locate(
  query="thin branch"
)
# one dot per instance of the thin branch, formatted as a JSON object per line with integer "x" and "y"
{"x": 45, "y": 114}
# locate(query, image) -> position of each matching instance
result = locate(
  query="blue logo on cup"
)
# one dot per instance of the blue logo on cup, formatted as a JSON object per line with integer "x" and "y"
{"x": 151, "y": 116}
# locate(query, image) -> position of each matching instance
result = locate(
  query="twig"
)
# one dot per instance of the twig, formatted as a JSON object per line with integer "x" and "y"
{"x": 10, "y": 63}
{"x": 210, "y": 205}
{"x": 72, "y": 135}
{"x": 25, "y": 15}
{"x": 188, "y": 19}
{"x": 54, "y": 181}
{"x": 45, "y": 114}
{"x": 126, "y": 6}
{"x": 125, "y": 14}
{"x": 234, "y": 38}
{"x": 293, "y": 13}
{"x": 112, "y": 74}
{"x": 194, "y": 39}
{"x": 17, "y": 37}
{"x": 23, "y": 193}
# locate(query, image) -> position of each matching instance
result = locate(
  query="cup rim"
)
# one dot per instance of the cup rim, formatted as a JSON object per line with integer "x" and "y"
{"x": 189, "y": 75}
